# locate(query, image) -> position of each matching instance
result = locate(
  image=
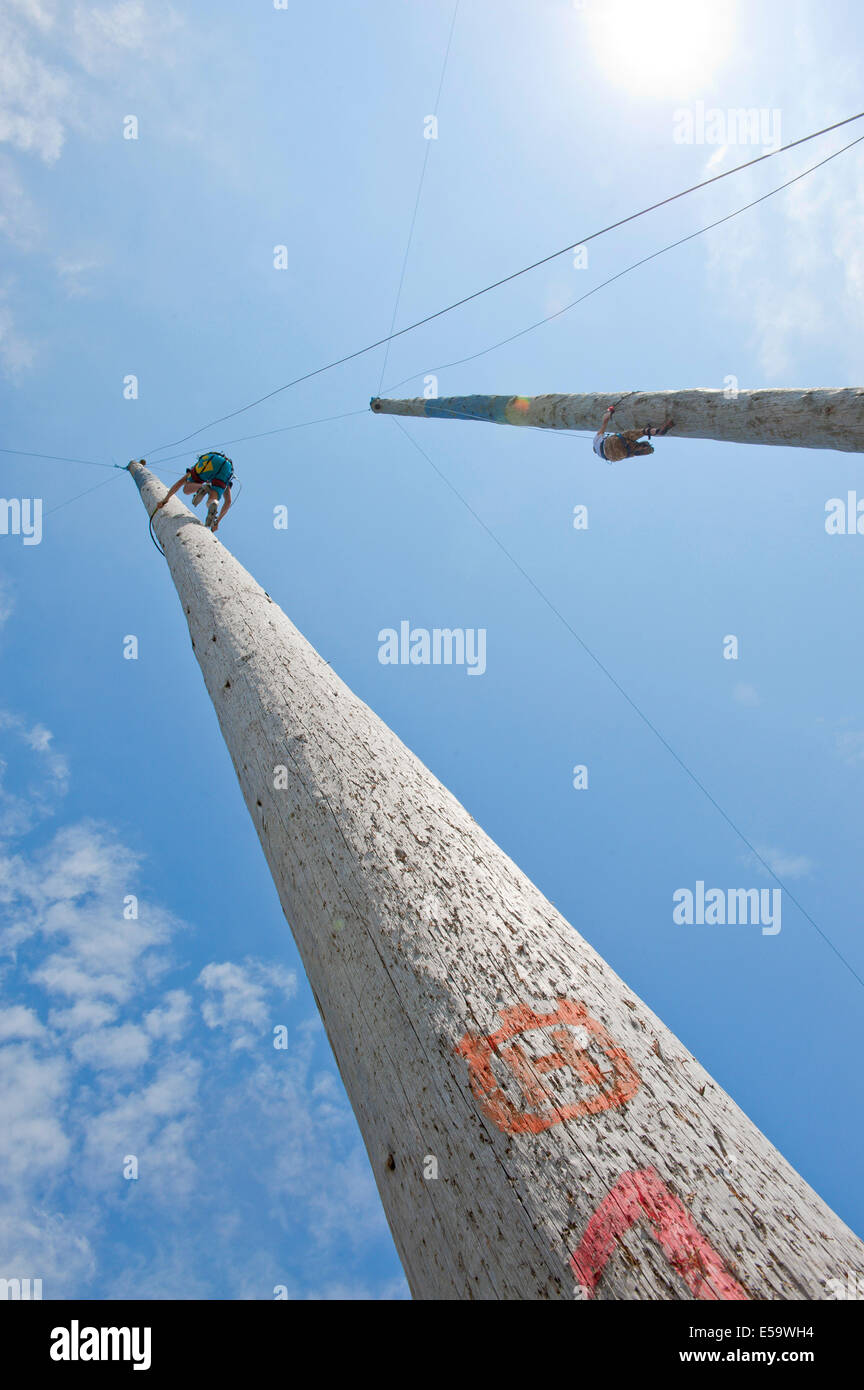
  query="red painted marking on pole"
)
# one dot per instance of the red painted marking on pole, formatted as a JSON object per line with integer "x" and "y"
{"x": 644, "y": 1194}
{"x": 542, "y": 1112}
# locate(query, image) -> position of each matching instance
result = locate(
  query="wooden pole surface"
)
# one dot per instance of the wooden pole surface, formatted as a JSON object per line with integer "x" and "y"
{"x": 535, "y": 1131}
{"x": 830, "y": 418}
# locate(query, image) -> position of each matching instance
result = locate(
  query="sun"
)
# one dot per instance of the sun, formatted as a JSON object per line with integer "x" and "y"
{"x": 666, "y": 47}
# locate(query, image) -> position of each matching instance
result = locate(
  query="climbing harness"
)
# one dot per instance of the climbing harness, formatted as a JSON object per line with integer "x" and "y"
{"x": 218, "y": 465}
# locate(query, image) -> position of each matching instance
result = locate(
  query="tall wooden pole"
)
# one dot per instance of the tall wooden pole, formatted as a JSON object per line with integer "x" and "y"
{"x": 830, "y": 418}
{"x": 534, "y": 1130}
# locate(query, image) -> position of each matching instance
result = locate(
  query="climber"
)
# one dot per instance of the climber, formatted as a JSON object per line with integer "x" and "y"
{"x": 627, "y": 444}
{"x": 211, "y": 477}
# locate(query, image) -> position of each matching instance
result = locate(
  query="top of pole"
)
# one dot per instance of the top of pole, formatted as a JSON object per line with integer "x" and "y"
{"x": 171, "y": 521}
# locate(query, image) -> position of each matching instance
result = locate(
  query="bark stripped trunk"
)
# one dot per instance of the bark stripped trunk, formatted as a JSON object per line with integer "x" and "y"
{"x": 534, "y": 1130}
{"x": 808, "y": 418}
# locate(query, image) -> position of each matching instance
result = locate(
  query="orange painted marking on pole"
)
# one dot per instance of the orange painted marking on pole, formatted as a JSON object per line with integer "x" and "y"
{"x": 541, "y": 1111}
{"x": 644, "y": 1194}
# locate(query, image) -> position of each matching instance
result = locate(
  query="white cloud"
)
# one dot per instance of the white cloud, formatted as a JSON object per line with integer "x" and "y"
{"x": 40, "y": 101}
{"x": 38, "y": 1243}
{"x": 32, "y": 1091}
{"x": 83, "y": 1017}
{"x": 66, "y": 977}
{"x": 39, "y": 12}
{"x": 786, "y": 865}
{"x": 113, "y": 1049}
{"x": 747, "y": 695}
{"x": 35, "y": 98}
{"x": 19, "y": 1022}
{"x": 16, "y": 353}
{"x": 7, "y": 606}
{"x": 74, "y": 273}
{"x": 171, "y": 1018}
{"x": 850, "y": 746}
{"x": 790, "y": 272}
{"x": 75, "y": 88}
{"x": 102, "y": 37}
{"x": 38, "y": 738}
{"x": 45, "y": 792}
{"x": 717, "y": 158}
{"x": 157, "y": 1123}
{"x": 18, "y": 218}
{"x": 238, "y": 995}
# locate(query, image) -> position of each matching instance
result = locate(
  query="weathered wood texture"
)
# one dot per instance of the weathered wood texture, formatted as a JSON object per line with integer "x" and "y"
{"x": 809, "y": 419}
{"x": 581, "y": 1150}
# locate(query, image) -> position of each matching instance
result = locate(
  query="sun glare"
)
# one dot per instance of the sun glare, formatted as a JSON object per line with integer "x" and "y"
{"x": 666, "y": 47}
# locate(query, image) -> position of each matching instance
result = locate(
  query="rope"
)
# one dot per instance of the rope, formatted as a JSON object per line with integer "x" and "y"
{"x": 417, "y": 199}
{"x": 632, "y": 703}
{"x": 581, "y": 241}
{"x": 79, "y": 495}
{"x": 58, "y": 457}
{"x": 281, "y": 429}
{"x": 444, "y": 366}
{"x": 153, "y": 536}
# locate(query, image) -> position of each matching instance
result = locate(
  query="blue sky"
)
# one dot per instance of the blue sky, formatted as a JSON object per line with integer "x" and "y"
{"x": 303, "y": 128}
